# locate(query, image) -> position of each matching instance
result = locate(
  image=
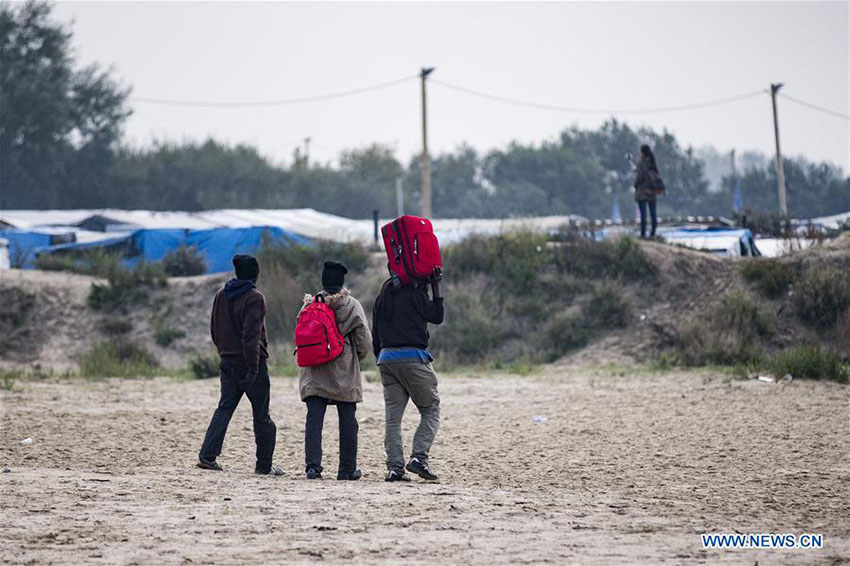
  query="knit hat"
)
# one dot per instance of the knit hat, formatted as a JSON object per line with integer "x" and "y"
{"x": 333, "y": 276}
{"x": 247, "y": 267}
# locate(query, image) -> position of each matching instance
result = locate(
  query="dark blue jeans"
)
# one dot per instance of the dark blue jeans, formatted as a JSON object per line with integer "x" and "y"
{"x": 265, "y": 431}
{"x": 652, "y": 213}
{"x": 348, "y": 428}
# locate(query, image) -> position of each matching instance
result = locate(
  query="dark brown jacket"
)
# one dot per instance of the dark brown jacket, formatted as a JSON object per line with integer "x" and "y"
{"x": 238, "y": 323}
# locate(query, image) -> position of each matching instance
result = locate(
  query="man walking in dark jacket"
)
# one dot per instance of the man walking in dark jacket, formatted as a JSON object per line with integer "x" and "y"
{"x": 238, "y": 330}
{"x": 400, "y": 340}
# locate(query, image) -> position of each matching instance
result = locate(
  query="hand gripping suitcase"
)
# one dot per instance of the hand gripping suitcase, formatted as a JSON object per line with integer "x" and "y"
{"x": 412, "y": 249}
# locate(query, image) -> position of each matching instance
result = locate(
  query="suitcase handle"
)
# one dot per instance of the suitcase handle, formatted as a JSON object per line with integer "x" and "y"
{"x": 396, "y": 250}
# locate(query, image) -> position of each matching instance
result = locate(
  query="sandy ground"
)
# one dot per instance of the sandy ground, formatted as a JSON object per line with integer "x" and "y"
{"x": 630, "y": 467}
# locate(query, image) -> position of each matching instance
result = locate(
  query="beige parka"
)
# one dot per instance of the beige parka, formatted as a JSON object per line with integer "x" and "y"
{"x": 339, "y": 379}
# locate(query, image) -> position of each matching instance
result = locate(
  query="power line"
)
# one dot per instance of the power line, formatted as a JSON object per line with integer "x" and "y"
{"x": 266, "y": 103}
{"x": 815, "y": 107}
{"x": 574, "y": 110}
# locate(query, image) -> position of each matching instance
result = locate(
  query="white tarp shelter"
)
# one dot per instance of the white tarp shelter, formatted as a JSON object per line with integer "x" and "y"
{"x": 91, "y": 225}
{"x": 4, "y": 254}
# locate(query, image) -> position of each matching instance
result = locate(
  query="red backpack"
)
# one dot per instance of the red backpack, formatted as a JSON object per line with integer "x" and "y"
{"x": 317, "y": 338}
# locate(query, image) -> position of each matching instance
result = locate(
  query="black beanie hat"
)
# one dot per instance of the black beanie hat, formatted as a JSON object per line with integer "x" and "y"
{"x": 333, "y": 276}
{"x": 247, "y": 267}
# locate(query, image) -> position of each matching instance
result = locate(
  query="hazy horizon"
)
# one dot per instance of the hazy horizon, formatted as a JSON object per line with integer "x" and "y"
{"x": 585, "y": 55}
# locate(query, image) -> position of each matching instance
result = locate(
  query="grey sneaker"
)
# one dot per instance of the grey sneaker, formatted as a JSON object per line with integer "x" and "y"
{"x": 273, "y": 471}
{"x": 353, "y": 476}
{"x": 393, "y": 475}
{"x": 314, "y": 474}
{"x": 421, "y": 469}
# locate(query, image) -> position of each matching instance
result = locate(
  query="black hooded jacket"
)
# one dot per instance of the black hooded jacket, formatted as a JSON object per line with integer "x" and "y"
{"x": 401, "y": 315}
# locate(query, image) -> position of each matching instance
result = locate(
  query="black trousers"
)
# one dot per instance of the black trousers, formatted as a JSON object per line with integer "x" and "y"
{"x": 348, "y": 429}
{"x": 265, "y": 431}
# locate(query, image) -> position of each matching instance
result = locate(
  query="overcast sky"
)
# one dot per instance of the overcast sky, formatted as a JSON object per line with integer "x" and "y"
{"x": 586, "y": 55}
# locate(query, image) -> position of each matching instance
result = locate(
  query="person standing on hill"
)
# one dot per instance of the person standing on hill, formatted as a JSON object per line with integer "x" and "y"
{"x": 400, "y": 340}
{"x": 338, "y": 381}
{"x": 238, "y": 330}
{"x": 648, "y": 185}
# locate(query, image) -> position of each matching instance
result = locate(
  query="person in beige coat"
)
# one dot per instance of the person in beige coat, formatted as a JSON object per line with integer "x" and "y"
{"x": 337, "y": 382}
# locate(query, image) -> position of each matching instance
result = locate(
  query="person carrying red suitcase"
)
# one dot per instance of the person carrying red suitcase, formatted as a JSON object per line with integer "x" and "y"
{"x": 400, "y": 337}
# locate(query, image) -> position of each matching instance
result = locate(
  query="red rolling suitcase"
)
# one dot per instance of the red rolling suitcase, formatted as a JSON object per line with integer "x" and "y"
{"x": 412, "y": 248}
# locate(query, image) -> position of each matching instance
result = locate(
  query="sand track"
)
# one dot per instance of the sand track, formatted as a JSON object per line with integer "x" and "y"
{"x": 627, "y": 469}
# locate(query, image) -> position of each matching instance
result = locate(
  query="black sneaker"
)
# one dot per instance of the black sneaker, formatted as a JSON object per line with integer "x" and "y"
{"x": 209, "y": 465}
{"x": 421, "y": 469}
{"x": 393, "y": 475}
{"x": 273, "y": 471}
{"x": 353, "y": 476}
{"x": 313, "y": 474}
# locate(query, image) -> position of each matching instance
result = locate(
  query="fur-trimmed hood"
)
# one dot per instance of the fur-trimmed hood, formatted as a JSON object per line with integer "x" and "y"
{"x": 333, "y": 300}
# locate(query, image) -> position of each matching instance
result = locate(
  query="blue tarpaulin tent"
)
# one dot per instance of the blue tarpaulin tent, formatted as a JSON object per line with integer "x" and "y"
{"x": 23, "y": 244}
{"x": 217, "y": 245}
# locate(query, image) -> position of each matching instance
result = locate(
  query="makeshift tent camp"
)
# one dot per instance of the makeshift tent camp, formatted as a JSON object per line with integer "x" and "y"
{"x": 218, "y": 246}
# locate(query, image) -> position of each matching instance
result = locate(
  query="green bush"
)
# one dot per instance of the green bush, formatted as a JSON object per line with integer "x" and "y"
{"x": 305, "y": 261}
{"x": 770, "y": 276}
{"x": 821, "y": 295}
{"x": 184, "y": 261}
{"x": 738, "y": 312}
{"x": 164, "y": 336}
{"x": 126, "y": 285}
{"x": 607, "y": 308}
{"x": 514, "y": 260}
{"x": 810, "y": 362}
{"x": 699, "y": 345}
{"x": 731, "y": 335}
{"x": 99, "y": 263}
{"x": 204, "y": 367}
{"x": 282, "y": 361}
{"x": 622, "y": 258}
{"x": 562, "y": 333}
{"x": 118, "y": 359}
{"x": 471, "y": 329}
{"x": 116, "y": 325}
{"x": 16, "y": 307}
{"x": 284, "y": 297}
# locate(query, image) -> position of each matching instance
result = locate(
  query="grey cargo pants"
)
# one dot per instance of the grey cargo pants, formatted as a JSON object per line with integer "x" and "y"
{"x": 403, "y": 381}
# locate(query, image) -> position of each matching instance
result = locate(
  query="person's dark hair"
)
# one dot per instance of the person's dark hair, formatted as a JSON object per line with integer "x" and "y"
{"x": 646, "y": 153}
{"x": 246, "y": 266}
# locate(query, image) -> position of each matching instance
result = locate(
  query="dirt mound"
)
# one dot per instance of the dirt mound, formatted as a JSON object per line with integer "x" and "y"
{"x": 686, "y": 293}
{"x": 45, "y": 318}
{"x": 47, "y": 322}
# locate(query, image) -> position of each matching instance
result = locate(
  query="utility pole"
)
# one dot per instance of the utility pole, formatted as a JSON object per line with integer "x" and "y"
{"x": 780, "y": 170}
{"x": 307, "y": 149}
{"x": 399, "y": 196}
{"x": 426, "y": 159}
{"x": 734, "y": 171}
